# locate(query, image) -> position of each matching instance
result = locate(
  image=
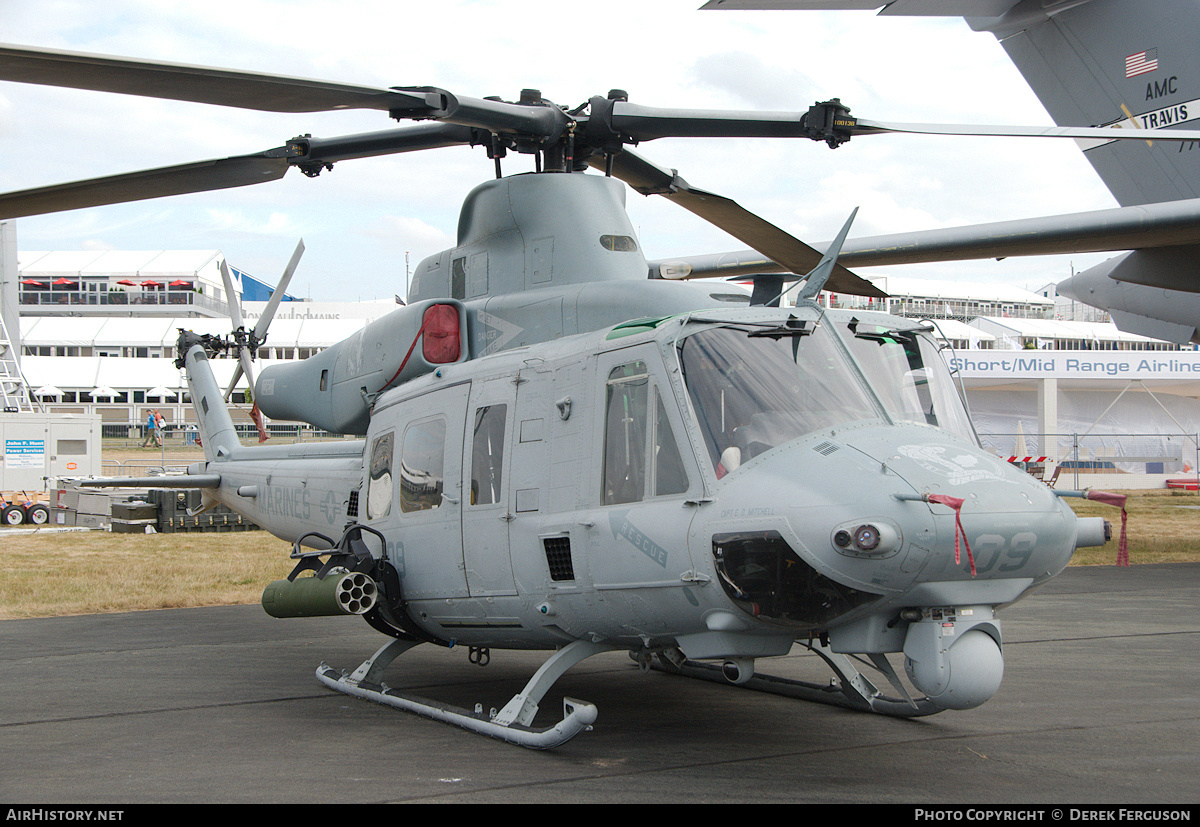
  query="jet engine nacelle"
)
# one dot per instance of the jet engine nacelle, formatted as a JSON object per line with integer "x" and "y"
{"x": 335, "y": 389}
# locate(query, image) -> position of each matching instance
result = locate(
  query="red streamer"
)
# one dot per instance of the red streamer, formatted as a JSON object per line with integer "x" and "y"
{"x": 257, "y": 416}
{"x": 1117, "y": 500}
{"x": 957, "y": 504}
{"x": 411, "y": 348}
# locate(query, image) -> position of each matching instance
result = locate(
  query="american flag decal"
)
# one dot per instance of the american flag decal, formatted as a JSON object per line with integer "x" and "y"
{"x": 1141, "y": 63}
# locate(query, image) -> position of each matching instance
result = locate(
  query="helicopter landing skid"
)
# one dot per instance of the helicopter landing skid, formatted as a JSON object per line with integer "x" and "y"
{"x": 851, "y": 691}
{"x": 510, "y": 724}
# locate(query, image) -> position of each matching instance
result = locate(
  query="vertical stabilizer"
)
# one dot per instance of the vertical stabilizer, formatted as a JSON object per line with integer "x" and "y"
{"x": 1126, "y": 63}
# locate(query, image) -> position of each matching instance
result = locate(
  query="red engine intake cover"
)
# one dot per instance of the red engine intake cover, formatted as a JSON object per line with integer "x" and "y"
{"x": 440, "y": 342}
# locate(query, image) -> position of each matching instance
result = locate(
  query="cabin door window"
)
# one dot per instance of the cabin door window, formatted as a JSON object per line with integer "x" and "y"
{"x": 423, "y": 466}
{"x": 379, "y": 477}
{"x": 487, "y": 454}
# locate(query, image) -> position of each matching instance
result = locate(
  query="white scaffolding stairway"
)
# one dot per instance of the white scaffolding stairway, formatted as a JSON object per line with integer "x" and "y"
{"x": 14, "y": 390}
{"x": 13, "y": 387}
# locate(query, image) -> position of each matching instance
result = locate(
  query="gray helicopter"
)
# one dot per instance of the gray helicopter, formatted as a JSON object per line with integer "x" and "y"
{"x": 559, "y": 453}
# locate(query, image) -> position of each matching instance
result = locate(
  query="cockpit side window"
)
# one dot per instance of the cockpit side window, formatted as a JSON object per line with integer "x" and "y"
{"x": 487, "y": 455}
{"x": 641, "y": 456}
{"x": 891, "y": 361}
{"x": 625, "y": 433}
{"x": 670, "y": 477}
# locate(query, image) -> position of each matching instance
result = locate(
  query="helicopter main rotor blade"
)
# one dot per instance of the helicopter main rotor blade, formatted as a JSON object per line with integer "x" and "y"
{"x": 828, "y": 121}
{"x": 270, "y": 93}
{"x": 199, "y": 84}
{"x": 201, "y": 176}
{"x": 645, "y": 123}
{"x": 789, "y": 252}
{"x": 537, "y": 119}
{"x": 311, "y": 155}
{"x": 1100, "y": 133}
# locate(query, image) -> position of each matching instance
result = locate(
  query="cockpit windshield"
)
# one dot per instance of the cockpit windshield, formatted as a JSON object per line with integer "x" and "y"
{"x": 755, "y": 389}
{"x": 909, "y": 377}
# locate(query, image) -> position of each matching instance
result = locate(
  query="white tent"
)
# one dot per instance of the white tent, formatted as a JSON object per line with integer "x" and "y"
{"x": 60, "y": 331}
{"x": 144, "y": 332}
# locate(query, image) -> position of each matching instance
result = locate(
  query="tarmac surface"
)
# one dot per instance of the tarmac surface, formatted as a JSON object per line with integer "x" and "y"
{"x": 1100, "y": 705}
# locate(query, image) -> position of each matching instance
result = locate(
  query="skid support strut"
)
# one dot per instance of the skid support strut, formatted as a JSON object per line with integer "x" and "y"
{"x": 512, "y": 723}
{"x": 852, "y": 689}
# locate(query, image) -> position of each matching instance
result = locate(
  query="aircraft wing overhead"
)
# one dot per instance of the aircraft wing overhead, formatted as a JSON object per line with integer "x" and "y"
{"x": 908, "y": 8}
{"x": 1149, "y": 226}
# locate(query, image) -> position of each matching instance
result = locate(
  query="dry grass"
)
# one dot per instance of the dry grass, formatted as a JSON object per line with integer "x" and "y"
{"x": 1163, "y": 527}
{"x": 43, "y": 574}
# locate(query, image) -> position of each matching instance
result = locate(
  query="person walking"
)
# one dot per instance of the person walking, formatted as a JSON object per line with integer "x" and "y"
{"x": 151, "y": 439}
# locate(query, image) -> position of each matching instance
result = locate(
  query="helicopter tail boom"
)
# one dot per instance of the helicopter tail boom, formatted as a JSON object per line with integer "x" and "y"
{"x": 218, "y": 436}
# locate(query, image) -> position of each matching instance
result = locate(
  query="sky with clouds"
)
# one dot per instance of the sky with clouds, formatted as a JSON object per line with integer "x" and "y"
{"x": 367, "y": 221}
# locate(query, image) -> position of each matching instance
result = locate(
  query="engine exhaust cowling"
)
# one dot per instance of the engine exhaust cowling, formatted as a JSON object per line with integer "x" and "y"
{"x": 335, "y": 389}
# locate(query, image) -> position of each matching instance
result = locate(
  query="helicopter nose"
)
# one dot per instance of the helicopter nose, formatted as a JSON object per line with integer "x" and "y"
{"x": 899, "y": 516}
{"x": 1000, "y": 523}
{"x": 890, "y": 539}
{"x": 996, "y": 532}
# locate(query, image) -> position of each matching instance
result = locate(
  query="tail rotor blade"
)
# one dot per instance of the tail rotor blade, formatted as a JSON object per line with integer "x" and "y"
{"x": 260, "y": 329}
{"x": 235, "y": 316}
{"x": 235, "y": 310}
{"x": 247, "y": 367}
{"x": 237, "y": 374}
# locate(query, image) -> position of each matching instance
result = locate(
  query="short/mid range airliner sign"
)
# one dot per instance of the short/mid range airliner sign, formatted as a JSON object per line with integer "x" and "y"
{"x": 1078, "y": 364}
